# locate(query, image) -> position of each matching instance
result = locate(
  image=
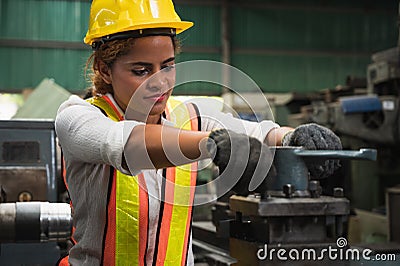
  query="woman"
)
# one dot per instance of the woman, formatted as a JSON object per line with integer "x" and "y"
{"x": 131, "y": 204}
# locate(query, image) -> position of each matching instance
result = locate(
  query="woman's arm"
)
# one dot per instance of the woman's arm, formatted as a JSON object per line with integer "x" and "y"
{"x": 86, "y": 135}
{"x": 158, "y": 146}
{"x": 275, "y": 136}
{"x": 212, "y": 118}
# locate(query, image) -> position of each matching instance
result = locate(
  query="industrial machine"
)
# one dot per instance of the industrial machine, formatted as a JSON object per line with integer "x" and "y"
{"x": 292, "y": 214}
{"x": 35, "y": 225}
{"x": 370, "y": 118}
{"x": 300, "y": 214}
{"x": 373, "y": 115}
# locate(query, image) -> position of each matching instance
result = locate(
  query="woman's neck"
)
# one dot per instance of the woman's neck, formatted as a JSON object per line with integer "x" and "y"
{"x": 148, "y": 119}
{"x": 133, "y": 115}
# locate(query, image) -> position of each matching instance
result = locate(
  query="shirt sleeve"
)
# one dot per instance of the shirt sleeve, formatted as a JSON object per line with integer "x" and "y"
{"x": 212, "y": 118}
{"x": 87, "y": 135}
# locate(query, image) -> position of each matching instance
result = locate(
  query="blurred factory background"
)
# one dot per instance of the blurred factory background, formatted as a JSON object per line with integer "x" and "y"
{"x": 336, "y": 63}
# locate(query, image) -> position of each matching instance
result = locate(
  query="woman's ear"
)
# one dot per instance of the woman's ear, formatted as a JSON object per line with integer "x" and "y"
{"x": 105, "y": 72}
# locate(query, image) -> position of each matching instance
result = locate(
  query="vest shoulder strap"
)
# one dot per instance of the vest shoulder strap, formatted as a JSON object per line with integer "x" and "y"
{"x": 105, "y": 104}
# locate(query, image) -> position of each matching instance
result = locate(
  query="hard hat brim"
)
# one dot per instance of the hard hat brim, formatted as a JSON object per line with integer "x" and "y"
{"x": 180, "y": 27}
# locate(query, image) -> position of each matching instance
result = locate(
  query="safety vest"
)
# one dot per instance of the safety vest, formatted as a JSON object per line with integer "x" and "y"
{"x": 126, "y": 229}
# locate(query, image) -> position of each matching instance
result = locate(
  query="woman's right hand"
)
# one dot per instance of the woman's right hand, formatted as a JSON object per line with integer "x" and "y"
{"x": 243, "y": 158}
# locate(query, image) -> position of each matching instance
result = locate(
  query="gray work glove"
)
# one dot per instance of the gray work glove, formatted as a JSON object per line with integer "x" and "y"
{"x": 237, "y": 156}
{"x": 315, "y": 137}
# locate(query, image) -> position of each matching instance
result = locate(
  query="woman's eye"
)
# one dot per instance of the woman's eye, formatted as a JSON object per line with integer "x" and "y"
{"x": 139, "y": 72}
{"x": 168, "y": 68}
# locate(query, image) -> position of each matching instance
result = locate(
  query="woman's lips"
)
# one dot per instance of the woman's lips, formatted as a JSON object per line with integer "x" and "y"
{"x": 157, "y": 98}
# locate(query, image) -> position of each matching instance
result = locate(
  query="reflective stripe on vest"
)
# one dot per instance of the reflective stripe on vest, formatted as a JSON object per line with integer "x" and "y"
{"x": 127, "y": 218}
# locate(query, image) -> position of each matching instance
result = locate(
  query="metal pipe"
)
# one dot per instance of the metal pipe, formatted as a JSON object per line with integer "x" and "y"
{"x": 225, "y": 41}
{"x": 35, "y": 222}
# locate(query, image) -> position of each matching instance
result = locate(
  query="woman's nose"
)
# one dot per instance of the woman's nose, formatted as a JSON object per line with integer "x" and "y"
{"x": 158, "y": 82}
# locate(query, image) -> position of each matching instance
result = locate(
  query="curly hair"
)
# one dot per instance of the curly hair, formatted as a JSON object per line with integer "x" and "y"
{"x": 108, "y": 53}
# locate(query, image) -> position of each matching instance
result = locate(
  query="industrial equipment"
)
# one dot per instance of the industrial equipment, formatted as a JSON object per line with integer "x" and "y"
{"x": 35, "y": 225}
{"x": 373, "y": 116}
{"x": 291, "y": 214}
{"x": 362, "y": 113}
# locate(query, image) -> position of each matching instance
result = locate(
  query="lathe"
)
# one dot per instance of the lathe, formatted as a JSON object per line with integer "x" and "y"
{"x": 35, "y": 223}
{"x": 292, "y": 214}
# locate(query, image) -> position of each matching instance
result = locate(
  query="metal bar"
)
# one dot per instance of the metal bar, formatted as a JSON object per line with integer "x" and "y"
{"x": 362, "y": 154}
{"x": 28, "y": 124}
{"x": 277, "y": 6}
{"x": 225, "y": 36}
{"x": 318, "y": 8}
{"x": 226, "y": 44}
{"x": 259, "y": 4}
{"x": 284, "y": 52}
{"x": 35, "y": 222}
{"x": 224, "y": 256}
{"x": 19, "y": 43}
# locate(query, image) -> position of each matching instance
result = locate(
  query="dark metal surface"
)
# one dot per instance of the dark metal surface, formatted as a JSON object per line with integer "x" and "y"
{"x": 291, "y": 170}
{"x": 35, "y": 174}
{"x": 274, "y": 206}
{"x": 30, "y": 254}
{"x": 206, "y": 232}
{"x": 24, "y": 183}
{"x": 27, "y": 124}
{"x": 208, "y": 246}
{"x": 29, "y": 172}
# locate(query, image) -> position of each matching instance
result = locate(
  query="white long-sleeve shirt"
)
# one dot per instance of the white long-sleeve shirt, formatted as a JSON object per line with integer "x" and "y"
{"x": 91, "y": 143}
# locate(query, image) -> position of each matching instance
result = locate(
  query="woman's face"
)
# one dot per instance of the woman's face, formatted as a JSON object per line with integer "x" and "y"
{"x": 131, "y": 76}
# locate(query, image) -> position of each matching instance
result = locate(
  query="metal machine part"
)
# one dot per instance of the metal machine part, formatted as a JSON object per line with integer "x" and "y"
{"x": 291, "y": 214}
{"x": 380, "y": 126}
{"x": 294, "y": 180}
{"x": 23, "y": 183}
{"x": 384, "y": 72}
{"x": 34, "y": 225}
{"x": 28, "y": 160}
{"x": 35, "y": 222}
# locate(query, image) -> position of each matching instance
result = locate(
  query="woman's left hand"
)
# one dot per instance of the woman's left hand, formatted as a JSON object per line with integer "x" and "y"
{"x": 315, "y": 137}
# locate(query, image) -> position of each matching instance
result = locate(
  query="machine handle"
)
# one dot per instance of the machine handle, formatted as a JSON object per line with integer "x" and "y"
{"x": 362, "y": 154}
{"x": 35, "y": 222}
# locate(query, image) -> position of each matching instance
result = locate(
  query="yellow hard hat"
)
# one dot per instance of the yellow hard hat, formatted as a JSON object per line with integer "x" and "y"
{"x": 109, "y": 17}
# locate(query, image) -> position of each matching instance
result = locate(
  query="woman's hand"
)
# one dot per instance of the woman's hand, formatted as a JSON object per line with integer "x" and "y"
{"x": 315, "y": 137}
{"x": 243, "y": 161}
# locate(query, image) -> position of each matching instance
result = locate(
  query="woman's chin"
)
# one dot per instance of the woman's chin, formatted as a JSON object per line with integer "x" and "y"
{"x": 158, "y": 108}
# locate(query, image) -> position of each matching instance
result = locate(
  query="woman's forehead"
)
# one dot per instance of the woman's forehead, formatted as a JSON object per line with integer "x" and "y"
{"x": 150, "y": 49}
